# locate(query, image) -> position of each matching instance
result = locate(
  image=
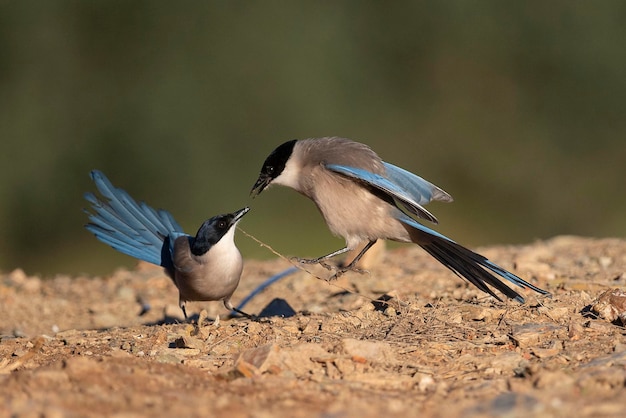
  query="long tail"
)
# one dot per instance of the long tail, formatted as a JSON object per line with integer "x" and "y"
{"x": 465, "y": 263}
{"x": 131, "y": 228}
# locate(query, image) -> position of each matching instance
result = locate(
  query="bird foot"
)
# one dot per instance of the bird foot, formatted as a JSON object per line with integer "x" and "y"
{"x": 319, "y": 261}
{"x": 339, "y": 271}
{"x": 259, "y": 319}
{"x": 254, "y": 318}
{"x": 306, "y": 260}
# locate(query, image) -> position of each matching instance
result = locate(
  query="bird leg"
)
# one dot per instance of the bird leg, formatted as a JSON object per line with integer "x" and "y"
{"x": 319, "y": 260}
{"x": 252, "y": 317}
{"x": 352, "y": 265}
{"x": 231, "y": 309}
{"x": 228, "y": 306}
{"x": 322, "y": 260}
{"x": 338, "y": 270}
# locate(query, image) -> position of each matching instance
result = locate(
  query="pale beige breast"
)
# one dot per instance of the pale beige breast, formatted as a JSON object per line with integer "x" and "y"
{"x": 212, "y": 276}
{"x": 351, "y": 210}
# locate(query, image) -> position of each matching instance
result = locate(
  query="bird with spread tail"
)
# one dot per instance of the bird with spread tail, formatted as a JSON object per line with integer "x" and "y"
{"x": 204, "y": 267}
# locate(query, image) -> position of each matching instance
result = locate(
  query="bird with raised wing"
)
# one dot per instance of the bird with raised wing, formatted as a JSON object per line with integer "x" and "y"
{"x": 364, "y": 199}
{"x": 204, "y": 267}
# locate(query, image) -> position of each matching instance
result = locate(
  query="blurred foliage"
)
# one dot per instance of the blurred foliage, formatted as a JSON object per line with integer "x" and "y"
{"x": 515, "y": 108}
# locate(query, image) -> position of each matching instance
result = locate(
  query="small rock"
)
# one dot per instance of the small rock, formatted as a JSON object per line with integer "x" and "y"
{"x": 78, "y": 365}
{"x": 602, "y": 379}
{"x": 505, "y": 362}
{"x": 254, "y": 328}
{"x": 186, "y": 341}
{"x": 455, "y": 318}
{"x": 553, "y": 350}
{"x": 511, "y": 404}
{"x": 167, "y": 358}
{"x": 619, "y": 347}
{"x": 385, "y": 381}
{"x": 611, "y": 306}
{"x": 31, "y": 285}
{"x": 528, "y": 335}
{"x": 17, "y": 332}
{"x": 575, "y": 331}
{"x": 126, "y": 293}
{"x": 309, "y": 326}
{"x": 553, "y": 379}
{"x": 390, "y": 312}
{"x": 425, "y": 382}
{"x": 299, "y": 359}
{"x": 373, "y": 351}
{"x": 221, "y": 349}
{"x": 291, "y": 328}
{"x": 478, "y": 313}
{"x": 558, "y": 314}
{"x": 605, "y": 261}
{"x": 255, "y": 361}
{"x": 17, "y": 276}
{"x": 53, "y": 378}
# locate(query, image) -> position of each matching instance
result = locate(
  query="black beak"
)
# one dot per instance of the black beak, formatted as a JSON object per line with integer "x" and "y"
{"x": 261, "y": 184}
{"x": 239, "y": 214}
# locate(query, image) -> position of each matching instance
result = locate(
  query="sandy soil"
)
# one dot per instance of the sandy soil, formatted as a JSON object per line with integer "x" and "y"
{"x": 78, "y": 346}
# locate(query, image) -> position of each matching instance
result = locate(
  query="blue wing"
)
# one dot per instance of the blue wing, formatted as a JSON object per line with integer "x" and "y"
{"x": 132, "y": 228}
{"x": 421, "y": 190}
{"x": 411, "y": 190}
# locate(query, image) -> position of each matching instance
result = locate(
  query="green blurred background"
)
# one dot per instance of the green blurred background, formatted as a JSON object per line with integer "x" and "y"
{"x": 518, "y": 109}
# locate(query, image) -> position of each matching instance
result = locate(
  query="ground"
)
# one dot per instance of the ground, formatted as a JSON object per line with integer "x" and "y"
{"x": 79, "y": 346}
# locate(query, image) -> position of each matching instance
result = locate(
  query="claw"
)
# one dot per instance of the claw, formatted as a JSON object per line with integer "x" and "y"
{"x": 340, "y": 271}
{"x": 307, "y": 260}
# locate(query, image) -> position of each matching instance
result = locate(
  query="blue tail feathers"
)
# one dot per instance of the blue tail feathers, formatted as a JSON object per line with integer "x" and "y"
{"x": 131, "y": 228}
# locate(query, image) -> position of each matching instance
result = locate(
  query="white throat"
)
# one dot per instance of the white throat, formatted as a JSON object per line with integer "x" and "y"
{"x": 290, "y": 175}
{"x": 225, "y": 247}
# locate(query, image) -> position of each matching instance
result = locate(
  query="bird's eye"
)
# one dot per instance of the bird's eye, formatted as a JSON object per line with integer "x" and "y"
{"x": 221, "y": 224}
{"x": 269, "y": 169}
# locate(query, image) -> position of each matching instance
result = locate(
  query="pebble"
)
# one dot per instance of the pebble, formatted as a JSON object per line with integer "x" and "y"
{"x": 126, "y": 293}
{"x": 390, "y": 312}
{"x": 167, "y": 358}
{"x": 553, "y": 379}
{"x": 188, "y": 342}
{"x": 17, "y": 276}
{"x": 555, "y": 348}
{"x": 558, "y": 314}
{"x": 372, "y": 351}
{"x": 611, "y": 306}
{"x": 605, "y": 261}
{"x": 529, "y": 335}
{"x": 425, "y": 382}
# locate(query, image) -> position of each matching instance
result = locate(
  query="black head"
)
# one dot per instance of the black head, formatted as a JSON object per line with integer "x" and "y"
{"x": 212, "y": 230}
{"x": 272, "y": 167}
